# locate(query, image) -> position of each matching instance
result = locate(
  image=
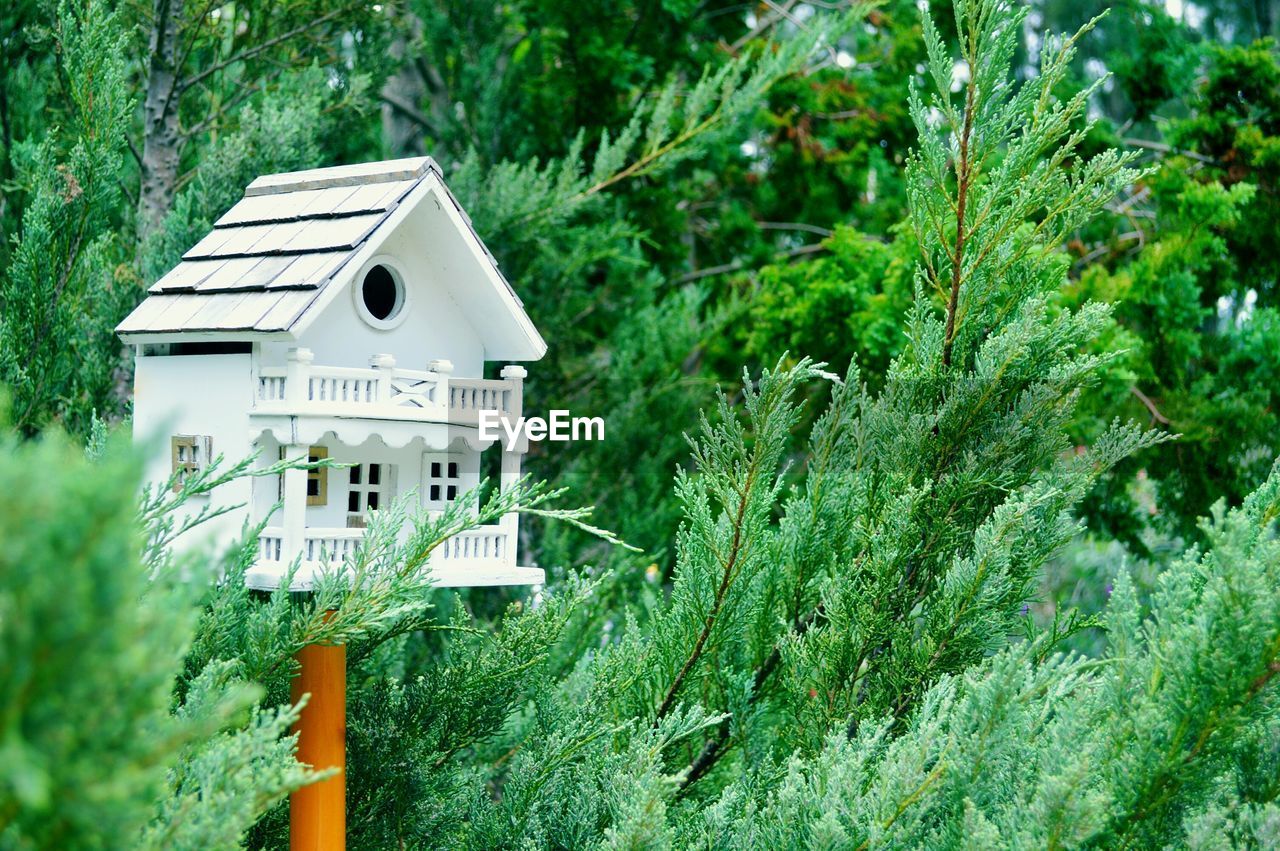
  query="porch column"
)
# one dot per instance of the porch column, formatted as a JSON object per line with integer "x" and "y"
{"x": 294, "y": 513}
{"x": 513, "y": 410}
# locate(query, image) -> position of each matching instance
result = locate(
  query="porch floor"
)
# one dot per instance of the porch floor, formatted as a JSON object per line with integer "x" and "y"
{"x": 267, "y": 575}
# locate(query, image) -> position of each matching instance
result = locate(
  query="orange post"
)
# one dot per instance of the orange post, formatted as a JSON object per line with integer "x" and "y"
{"x": 318, "y": 813}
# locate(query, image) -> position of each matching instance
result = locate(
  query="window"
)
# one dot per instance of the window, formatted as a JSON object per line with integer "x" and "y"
{"x": 190, "y": 456}
{"x": 367, "y": 482}
{"x": 444, "y": 482}
{"x": 380, "y": 296}
{"x": 317, "y": 479}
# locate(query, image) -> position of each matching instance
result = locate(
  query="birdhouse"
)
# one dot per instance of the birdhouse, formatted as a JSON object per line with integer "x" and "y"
{"x": 344, "y": 313}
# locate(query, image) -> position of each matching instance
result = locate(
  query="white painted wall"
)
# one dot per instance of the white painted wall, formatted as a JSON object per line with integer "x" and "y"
{"x": 435, "y": 326}
{"x": 196, "y": 394}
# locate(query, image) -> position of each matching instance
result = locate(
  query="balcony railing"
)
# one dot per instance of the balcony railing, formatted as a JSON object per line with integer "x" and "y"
{"x": 321, "y": 545}
{"x": 332, "y": 546}
{"x": 385, "y": 391}
{"x": 469, "y": 396}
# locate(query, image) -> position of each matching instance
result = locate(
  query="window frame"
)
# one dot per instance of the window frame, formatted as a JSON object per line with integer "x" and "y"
{"x": 198, "y": 450}
{"x": 439, "y": 490}
{"x": 319, "y": 475}
{"x": 363, "y": 488}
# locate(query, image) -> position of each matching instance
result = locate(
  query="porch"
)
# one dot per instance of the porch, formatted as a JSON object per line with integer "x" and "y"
{"x": 318, "y": 515}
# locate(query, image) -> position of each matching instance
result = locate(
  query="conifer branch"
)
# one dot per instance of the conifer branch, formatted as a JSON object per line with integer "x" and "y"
{"x": 249, "y": 53}
{"x": 727, "y": 574}
{"x": 714, "y": 748}
{"x": 963, "y": 179}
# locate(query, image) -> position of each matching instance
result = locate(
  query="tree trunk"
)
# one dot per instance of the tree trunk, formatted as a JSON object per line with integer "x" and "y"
{"x": 1262, "y": 10}
{"x": 160, "y": 142}
{"x": 402, "y": 134}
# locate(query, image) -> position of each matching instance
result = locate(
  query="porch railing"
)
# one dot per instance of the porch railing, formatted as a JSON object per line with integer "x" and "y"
{"x": 483, "y": 543}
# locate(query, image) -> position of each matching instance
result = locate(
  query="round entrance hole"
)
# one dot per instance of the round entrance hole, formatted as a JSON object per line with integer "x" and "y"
{"x": 382, "y": 293}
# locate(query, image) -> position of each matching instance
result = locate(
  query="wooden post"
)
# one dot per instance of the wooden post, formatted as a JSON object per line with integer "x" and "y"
{"x": 318, "y": 813}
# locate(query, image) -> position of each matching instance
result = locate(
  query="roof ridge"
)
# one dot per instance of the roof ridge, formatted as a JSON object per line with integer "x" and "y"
{"x": 356, "y": 174}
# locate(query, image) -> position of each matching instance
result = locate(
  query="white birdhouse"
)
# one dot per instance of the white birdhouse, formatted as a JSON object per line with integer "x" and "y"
{"x": 344, "y": 313}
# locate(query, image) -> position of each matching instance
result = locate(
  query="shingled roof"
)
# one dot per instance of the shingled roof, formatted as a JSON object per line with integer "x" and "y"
{"x": 268, "y": 259}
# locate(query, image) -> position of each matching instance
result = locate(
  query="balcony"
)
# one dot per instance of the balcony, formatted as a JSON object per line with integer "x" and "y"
{"x": 485, "y": 555}
{"x": 384, "y": 391}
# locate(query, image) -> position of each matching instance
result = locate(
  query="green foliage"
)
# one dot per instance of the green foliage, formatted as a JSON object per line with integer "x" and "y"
{"x": 1158, "y": 744}
{"x": 846, "y": 304}
{"x": 907, "y": 554}
{"x": 55, "y": 352}
{"x": 1202, "y": 374}
{"x": 89, "y": 649}
{"x": 181, "y": 750}
{"x": 1178, "y": 256}
{"x": 199, "y": 65}
{"x": 224, "y": 782}
{"x": 1154, "y": 59}
{"x": 1194, "y": 303}
{"x": 421, "y": 733}
{"x": 643, "y": 382}
{"x": 623, "y": 344}
{"x": 1236, "y": 124}
{"x": 827, "y": 150}
{"x": 114, "y": 727}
